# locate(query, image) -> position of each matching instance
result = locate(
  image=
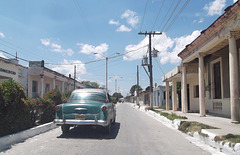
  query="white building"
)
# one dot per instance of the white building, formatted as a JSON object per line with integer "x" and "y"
{"x": 36, "y": 79}
{"x": 9, "y": 68}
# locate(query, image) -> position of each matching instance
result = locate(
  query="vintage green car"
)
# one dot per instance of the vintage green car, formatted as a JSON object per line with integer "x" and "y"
{"x": 86, "y": 107}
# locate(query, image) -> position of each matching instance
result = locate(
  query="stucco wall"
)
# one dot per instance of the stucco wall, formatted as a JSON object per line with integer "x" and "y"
{"x": 194, "y": 102}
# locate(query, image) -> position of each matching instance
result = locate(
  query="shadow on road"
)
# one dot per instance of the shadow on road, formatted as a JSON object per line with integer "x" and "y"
{"x": 87, "y": 132}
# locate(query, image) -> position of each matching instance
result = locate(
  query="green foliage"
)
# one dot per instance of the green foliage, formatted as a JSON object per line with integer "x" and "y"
{"x": 171, "y": 116}
{"x": 45, "y": 110}
{"x": 113, "y": 99}
{"x": 117, "y": 96}
{"x": 228, "y": 138}
{"x": 192, "y": 127}
{"x": 91, "y": 84}
{"x": 18, "y": 112}
{"x": 133, "y": 88}
{"x": 14, "y": 113}
{"x": 55, "y": 96}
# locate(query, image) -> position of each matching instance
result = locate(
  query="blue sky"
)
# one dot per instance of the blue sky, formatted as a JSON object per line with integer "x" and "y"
{"x": 70, "y": 32}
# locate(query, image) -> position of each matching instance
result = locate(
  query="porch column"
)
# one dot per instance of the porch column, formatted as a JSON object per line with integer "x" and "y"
{"x": 54, "y": 82}
{"x": 174, "y": 94}
{"x": 41, "y": 85}
{"x": 184, "y": 89}
{"x": 233, "y": 73}
{"x": 167, "y": 96}
{"x": 202, "y": 104}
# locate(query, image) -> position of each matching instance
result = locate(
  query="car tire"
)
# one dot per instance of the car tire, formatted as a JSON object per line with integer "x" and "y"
{"x": 114, "y": 121}
{"x": 65, "y": 128}
{"x": 107, "y": 129}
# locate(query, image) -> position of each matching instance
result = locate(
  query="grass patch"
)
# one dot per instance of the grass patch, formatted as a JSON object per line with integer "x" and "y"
{"x": 233, "y": 139}
{"x": 160, "y": 107}
{"x": 192, "y": 127}
{"x": 171, "y": 116}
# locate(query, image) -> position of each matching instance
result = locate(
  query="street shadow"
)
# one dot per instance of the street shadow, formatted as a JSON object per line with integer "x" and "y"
{"x": 88, "y": 132}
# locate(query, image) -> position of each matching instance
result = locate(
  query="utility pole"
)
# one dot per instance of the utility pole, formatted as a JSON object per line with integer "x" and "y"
{"x": 107, "y": 73}
{"x": 137, "y": 85}
{"x": 74, "y": 77}
{"x": 150, "y": 61}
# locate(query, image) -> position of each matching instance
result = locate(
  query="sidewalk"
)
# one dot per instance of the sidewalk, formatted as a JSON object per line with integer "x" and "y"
{"x": 224, "y": 124}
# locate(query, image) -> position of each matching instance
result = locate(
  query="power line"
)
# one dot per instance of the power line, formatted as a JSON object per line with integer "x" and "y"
{"x": 175, "y": 18}
{"x": 171, "y": 14}
{"x": 85, "y": 21}
{"x": 144, "y": 15}
{"x": 18, "y": 48}
{"x": 166, "y": 14}
{"x": 160, "y": 67}
{"x": 157, "y": 15}
{"x": 14, "y": 56}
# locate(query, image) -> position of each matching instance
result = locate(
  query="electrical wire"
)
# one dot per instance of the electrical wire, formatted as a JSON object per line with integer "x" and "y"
{"x": 166, "y": 14}
{"x": 175, "y": 18}
{"x": 84, "y": 19}
{"x": 18, "y": 48}
{"x": 14, "y": 56}
{"x": 171, "y": 15}
{"x": 144, "y": 15}
{"x": 159, "y": 67}
{"x": 157, "y": 16}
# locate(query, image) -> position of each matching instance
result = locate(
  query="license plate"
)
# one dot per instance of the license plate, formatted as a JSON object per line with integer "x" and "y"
{"x": 80, "y": 117}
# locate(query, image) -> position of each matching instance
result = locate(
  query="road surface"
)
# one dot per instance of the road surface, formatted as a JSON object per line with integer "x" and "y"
{"x": 134, "y": 133}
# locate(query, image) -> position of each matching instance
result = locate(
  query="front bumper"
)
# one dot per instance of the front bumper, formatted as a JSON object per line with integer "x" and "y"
{"x": 80, "y": 122}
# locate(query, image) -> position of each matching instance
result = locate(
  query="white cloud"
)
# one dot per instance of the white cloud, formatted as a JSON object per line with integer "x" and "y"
{"x": 2, "y": 55}
{"x": 234, "y": 1}
{"x": 69, "y": 69}
{"x": 2, "y": 35}
{"x": 200, "y": 21}
{"x": 168, "y": 47}
{"x": 215, "y": 7}
{"x": 131, "y": 17}
{"x": 123, "y": 28}
{"x": 56, "y": 47}
{"x": 90, "y": 49}
{"x": 45, "y": 42}
{"x": 112, "y": 22}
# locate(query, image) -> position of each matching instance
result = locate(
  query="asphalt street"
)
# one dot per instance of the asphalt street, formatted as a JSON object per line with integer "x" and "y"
{"x": 133, "y": 133}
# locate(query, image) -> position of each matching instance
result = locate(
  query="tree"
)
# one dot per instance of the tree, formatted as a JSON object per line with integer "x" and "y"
{"x": 117, "y": 96}
{"x": 91, "y": 84}
{"x": 133, "y": 88}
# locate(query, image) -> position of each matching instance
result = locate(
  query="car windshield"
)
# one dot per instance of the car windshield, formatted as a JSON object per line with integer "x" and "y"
{"x": 90, "y": 96}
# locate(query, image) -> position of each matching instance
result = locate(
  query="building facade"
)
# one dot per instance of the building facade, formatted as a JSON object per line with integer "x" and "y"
{"x": 159, "y": 97}
{"x": 11, "y": 69}
{"x": 36, "y": 79}
{"x": 210, "y": 69}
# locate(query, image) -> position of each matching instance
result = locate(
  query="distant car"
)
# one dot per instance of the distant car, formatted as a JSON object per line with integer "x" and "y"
{"x": 86, "y": 107}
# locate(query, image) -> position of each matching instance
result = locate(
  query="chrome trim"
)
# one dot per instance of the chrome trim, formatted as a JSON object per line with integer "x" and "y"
{"x": 80, "y": 122}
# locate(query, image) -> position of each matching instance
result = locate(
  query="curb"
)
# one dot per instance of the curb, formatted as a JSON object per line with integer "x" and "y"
{"x": 220, "y": 146}
{"x": 7, "y": 141}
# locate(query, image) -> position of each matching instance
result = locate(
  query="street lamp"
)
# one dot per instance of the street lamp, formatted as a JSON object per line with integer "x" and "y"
{"x": 109, "y": 57}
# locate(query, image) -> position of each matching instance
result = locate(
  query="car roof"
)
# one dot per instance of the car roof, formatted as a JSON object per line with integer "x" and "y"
{"x": 87, "y": 90}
